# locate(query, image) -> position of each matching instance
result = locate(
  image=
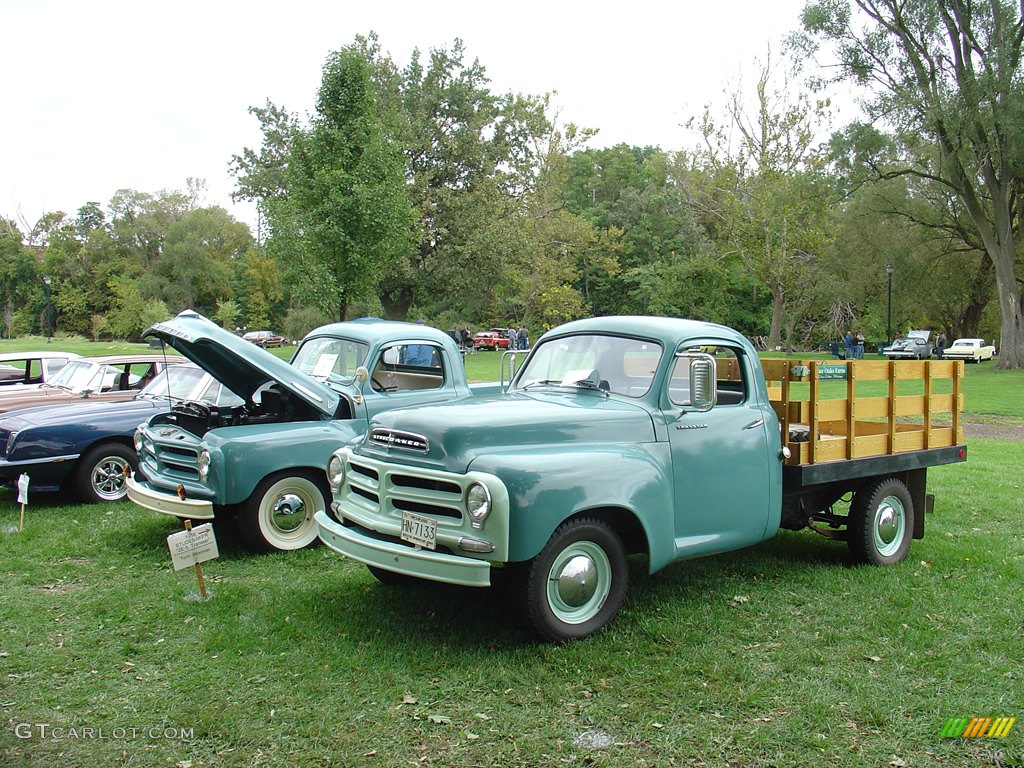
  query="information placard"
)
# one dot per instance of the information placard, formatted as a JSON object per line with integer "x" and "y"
{"x": 192, "y": 547}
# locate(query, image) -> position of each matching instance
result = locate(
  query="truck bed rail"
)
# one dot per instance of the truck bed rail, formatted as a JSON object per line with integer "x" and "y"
{"x": 837, "y": 410}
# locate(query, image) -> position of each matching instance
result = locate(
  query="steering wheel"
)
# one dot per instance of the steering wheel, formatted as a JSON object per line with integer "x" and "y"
{"x": 376, "y": 386}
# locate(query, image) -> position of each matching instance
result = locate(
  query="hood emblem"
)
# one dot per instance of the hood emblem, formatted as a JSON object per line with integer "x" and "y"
{"x": 392, "y": 438}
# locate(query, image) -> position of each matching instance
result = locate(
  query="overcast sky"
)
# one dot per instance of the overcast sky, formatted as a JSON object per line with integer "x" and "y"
{"x": 104, "y": 95}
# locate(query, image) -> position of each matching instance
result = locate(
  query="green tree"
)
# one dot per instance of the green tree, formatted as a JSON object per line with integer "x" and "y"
{"x": 471, "y": 157}
{"x": 20, "y": 282}
{"x": 945, "y": 75}
{"x": 769, "y": 192}
{"x": 227, "y": 313}
{"x": 343, "y": 213}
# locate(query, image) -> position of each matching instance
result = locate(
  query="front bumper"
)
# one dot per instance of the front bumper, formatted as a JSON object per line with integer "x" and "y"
{"x": 400, "y": 558}
{"x": 148, "y": 497}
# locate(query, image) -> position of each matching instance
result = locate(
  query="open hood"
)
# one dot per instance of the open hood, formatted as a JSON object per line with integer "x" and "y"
{"x": 240, "y": 365}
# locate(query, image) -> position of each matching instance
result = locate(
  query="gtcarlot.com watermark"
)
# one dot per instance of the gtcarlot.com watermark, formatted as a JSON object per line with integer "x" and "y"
{"x": 49, "y": 732}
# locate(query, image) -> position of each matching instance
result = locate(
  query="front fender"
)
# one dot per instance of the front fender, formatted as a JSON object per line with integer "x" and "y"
{"x": 241, "y": 457}
{"x": 548, "y": 486}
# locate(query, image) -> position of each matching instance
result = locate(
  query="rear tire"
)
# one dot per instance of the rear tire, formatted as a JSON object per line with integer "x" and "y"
{"x": 102, "y": 472}
{"x": 279, "y": 514}
{"x": 881, "y": 523}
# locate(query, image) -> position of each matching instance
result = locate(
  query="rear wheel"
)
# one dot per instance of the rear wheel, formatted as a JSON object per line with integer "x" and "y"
{"x": 881, "y": 523}
{"x": 279, "y": 514}
{"x": 103, "y": 471}
{"x": 577, "y": 584}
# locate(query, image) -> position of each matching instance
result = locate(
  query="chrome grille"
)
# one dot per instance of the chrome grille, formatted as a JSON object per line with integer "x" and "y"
{"x": 389, "y": 490}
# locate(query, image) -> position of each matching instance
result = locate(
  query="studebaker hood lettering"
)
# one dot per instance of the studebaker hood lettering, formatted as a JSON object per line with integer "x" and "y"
{"x": 240, "y": 365}
{"x": 453, "y": 434}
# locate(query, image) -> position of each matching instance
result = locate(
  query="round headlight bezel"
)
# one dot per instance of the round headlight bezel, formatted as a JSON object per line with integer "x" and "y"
{"x": 203, "y": 464}
{"x": 478, "y": 503}
{"x": 138, "y": 441}
{"x": 335, "y": 471}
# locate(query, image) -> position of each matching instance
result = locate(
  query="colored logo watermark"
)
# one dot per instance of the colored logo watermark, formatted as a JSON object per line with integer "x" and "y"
{"x": 977, "y": 727}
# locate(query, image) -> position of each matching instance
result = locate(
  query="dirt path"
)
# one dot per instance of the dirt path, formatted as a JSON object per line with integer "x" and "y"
{"x": 993, "y": 430}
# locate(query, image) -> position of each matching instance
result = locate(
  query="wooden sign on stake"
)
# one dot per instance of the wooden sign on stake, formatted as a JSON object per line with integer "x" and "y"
{"x": 192, "y": 547}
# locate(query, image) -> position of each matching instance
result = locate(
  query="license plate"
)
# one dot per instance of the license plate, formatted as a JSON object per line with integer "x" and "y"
{"x": 418, "y": 530}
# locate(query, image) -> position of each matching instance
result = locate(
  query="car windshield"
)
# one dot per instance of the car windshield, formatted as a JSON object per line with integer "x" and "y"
{"x": 177, "y": 382}
{"x": 618, "y": 365}
{"x": 78, "y": 376}
{"x": 330, "y": 358}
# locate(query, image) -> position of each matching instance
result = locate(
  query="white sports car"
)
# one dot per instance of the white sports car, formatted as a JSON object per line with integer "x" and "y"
{"x": 971, "y": 350}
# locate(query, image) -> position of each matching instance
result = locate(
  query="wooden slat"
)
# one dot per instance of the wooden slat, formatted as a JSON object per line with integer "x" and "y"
{"x": 889, "y": 423}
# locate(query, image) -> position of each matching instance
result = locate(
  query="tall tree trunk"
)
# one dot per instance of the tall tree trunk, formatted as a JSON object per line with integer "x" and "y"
{"x": 778, "y": 312}
{"x": 396, "y": 303}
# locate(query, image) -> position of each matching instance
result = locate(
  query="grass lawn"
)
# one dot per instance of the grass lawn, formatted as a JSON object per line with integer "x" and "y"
{"x": 778, "y": 655}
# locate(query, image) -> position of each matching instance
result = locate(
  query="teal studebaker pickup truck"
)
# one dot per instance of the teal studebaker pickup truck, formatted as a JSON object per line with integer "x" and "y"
{"x": 664, "y": 437}
{"x": 262, "y": 462}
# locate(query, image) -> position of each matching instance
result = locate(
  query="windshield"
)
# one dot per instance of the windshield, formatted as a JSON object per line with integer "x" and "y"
{"x": 330, "y": 358}
{"x": 78, "y": 376}
{"x": 176, "y": 381}
{"x": 623, "y": 366}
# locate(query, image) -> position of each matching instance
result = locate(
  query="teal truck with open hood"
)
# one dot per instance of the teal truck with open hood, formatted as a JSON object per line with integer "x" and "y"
{"x": 262, "y": 461}
{"x": 663, "y": 437}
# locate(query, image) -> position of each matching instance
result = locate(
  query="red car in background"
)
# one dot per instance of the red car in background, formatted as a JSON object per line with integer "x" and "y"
{"x": 490, "y": 340}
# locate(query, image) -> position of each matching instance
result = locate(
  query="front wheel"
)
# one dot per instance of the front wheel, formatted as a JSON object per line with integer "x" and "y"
{"x": 881, "y": 523}
{"x": 102, "y": 472}
{"x": 279, "y": 514}
{"x": 577, "y": 584}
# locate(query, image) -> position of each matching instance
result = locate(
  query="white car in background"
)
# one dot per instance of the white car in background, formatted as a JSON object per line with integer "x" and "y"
{"x": 19, "y": 370}
{"x": 971, "y": 350}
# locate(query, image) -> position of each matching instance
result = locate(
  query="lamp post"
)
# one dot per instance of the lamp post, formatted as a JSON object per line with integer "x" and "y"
{"x": 889, "y": 269}
{"x": 48, "y": 309}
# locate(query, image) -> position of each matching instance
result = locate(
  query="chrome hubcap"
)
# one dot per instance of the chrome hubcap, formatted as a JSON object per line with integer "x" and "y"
{"x": 578, "y": 581}
{"x": 288, "y": 512}
{"x": 890, "y": 520}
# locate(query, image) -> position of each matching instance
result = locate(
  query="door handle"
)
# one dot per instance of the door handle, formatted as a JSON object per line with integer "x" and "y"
{"x": 755, "y": 424}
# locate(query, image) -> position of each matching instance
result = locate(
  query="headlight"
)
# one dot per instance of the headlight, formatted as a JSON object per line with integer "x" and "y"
{"x": 335, "y": 471}
{"x": 478, "y": 504}
{"x": 203, "y": 464}
{"x": 10, "y": 443}
{"x": 138, "y": 441}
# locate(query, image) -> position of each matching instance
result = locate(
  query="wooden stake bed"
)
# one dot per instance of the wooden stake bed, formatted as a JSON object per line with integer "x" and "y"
{"x": 839, "y": 410}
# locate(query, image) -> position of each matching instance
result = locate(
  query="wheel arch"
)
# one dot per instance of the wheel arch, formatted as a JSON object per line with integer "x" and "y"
{"x": 626, "y": 524}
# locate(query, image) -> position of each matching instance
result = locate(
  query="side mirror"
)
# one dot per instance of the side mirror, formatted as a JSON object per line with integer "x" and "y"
{"x": 361, "y": 377}
{"x": 703, "y": 391}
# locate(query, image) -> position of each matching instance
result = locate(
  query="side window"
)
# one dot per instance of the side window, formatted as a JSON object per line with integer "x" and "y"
{"x": 138, "y": 375}
{"x": 679, "y": 383}
{"x": 405, "y": 367}
{"x": 732, "y": 389}
{"x": 730, "y": 384}
{"x": 52, "y": 365}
